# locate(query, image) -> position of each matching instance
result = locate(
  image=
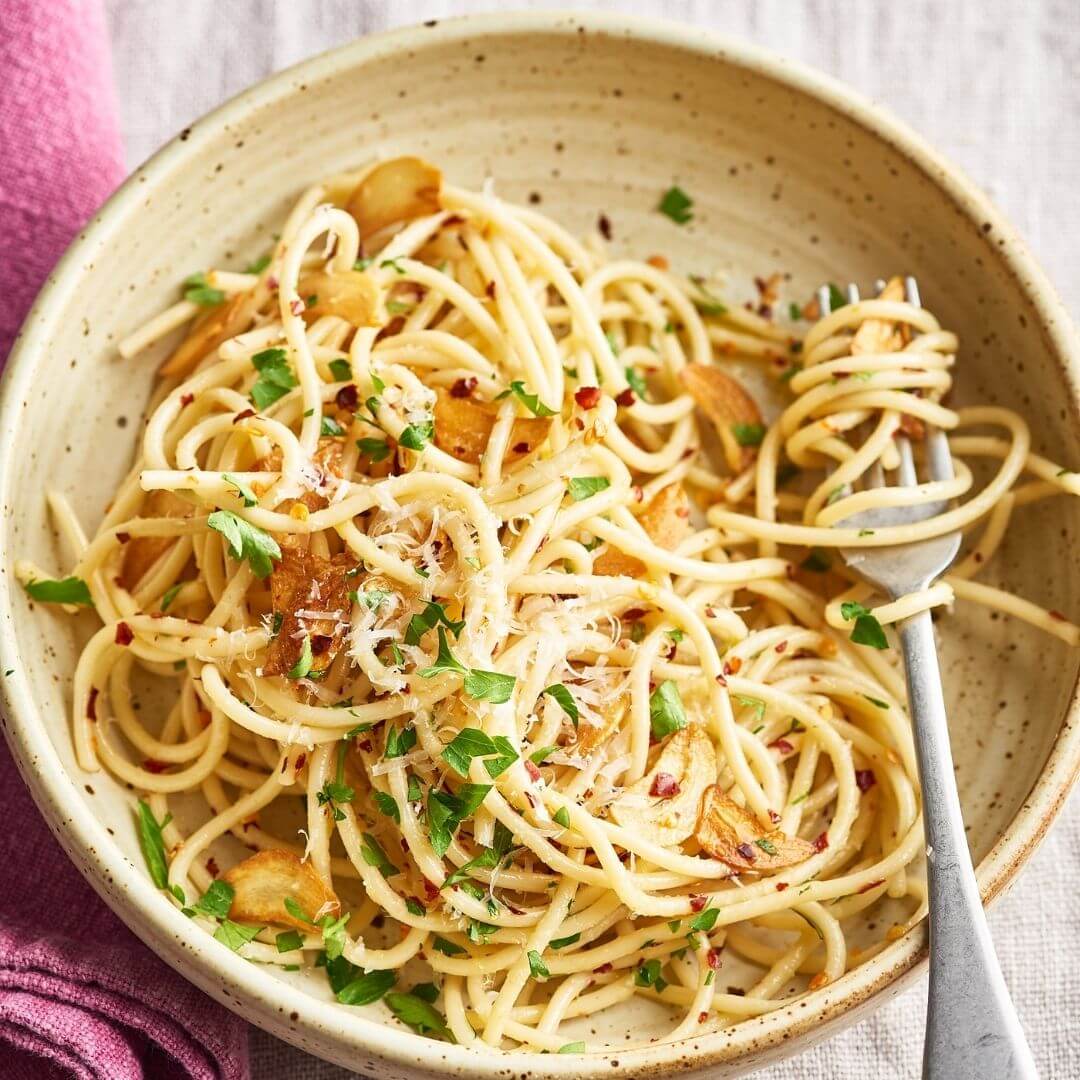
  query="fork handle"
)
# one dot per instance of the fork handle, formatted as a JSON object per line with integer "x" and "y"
{"x": 972, "y": 1030}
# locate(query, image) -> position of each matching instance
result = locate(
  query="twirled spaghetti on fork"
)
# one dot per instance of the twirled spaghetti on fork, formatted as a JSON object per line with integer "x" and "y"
{"x": 458, "y": 536}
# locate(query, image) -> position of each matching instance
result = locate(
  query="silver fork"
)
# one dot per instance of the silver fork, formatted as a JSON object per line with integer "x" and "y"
{"x": 972, "y": 1030}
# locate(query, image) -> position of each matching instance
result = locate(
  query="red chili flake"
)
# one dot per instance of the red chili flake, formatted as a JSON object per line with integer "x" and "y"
{"x": 782, "y": 647}
{"x": 530, "y": 797}
{"x": 865, "y": 779}
{"x": 664, "y": 786}
{"x": 463, "y": 388}
{"x": 150, "y": 765}
{"x": 697, "y": 903}
{"x": 633, "y": 613}
{"x": 659, "y": 261}
{"x": 320, "y": 643}
{"x": 721, "y": 680}
{"x": 296, "y": 306}
{"x": 782, "y": 745}
{"x": 521, "y": 448}
{"x": 124, "y": 634}
{"x": 702, "y": 1017}
{"x": 532, "y": 770}
{"x": 186, "y": 400}
{"x": 604, "y": 225}
{"x": 123, "y": 537}
{"x": 746, "y": 851}
{"x": 626, "y": 398}
{"x": 822, "y": 842}
{"x": 603, "y": 969}
{"x": 912, "y": 426}
{"x": 272, "y": 282}
{"x": 453, "y": 219}
{"x": 781, "y": 886}
{"x": 347, "y": 396}
{"x": 300, "y": 760}
{"x": 243, "y": 415}
{"x": 638, "y": 492}
{"x": 774, "y": 817}
{"x": 588, "y": 397}
{"x": 713, "y": 959}
{"x": 731, "y": 667}
{"x": 431, "y": 891}
{"x": 1057, "y": 615}
{"x": 871, "y": 885}
{"x": 212, "y": 866}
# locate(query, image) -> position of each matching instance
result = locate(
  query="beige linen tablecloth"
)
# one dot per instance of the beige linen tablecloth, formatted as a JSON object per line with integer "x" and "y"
{"x": 993, "y": 84}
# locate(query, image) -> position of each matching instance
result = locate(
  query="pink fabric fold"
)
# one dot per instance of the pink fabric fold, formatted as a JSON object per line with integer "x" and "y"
{"x": 80, "y": 996}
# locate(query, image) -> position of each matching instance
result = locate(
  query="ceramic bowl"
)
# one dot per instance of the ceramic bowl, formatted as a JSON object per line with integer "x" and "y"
{"x": 580, "y": 114}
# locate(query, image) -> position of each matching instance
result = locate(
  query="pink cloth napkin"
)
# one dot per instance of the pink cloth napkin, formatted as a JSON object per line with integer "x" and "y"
{"x": 80, "y": 996}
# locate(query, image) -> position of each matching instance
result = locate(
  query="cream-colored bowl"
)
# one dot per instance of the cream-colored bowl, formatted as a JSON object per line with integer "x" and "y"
{"x": 582, "y": 114}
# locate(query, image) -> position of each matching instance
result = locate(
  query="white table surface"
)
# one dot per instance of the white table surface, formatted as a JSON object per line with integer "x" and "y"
{"x": 993, "y": 84}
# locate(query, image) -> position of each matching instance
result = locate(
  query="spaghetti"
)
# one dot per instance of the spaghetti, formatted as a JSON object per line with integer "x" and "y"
{"x": 454, "y": 537}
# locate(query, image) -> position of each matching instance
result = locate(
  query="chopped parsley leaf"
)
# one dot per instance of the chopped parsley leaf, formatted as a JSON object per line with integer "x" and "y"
{"x": 69, "y": 590}
{"x": 399, "y": 743}
{"x": 373, "y": 855}
{"x": 537, "y": 968}
{"x": 748, "y": 434}
{"x": 637, "y": 383}
{"x": 375, "y": 449}
{"x": 288, "y": 941}
{"x": 169, "y": 595}
{"x": 152, "y": 844}
{"x": 418, "y": 1014}
{"x": 341, "y": 369}
{"x": 367, "y": 988}
{"x": 565, "y": 700}
{"x": 275, "y": 379}
{"x": 584, "y": 487}
{"x": 387, "y": 805}
{"x": 302, "y": 668}
{"x": 445, "y": 661}
{"x": 199, "y": 291}
{"x": 677, "y": 205}
{"x": 666, "y": 713}
{"x": 491, "y": 686}
{"x": 531, "y": 402}
{"x": 234, "y": 935}
{"x": 417, "y": 436}
{"x": 216, "y": 901}
{"x": 867, "y": 630}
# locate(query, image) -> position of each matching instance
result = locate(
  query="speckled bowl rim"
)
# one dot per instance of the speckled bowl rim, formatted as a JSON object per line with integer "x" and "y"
{"x": 248, "y": 989}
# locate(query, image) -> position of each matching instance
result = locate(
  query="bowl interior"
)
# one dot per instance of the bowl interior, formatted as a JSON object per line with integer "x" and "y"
{"x": 580, "y": 121}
